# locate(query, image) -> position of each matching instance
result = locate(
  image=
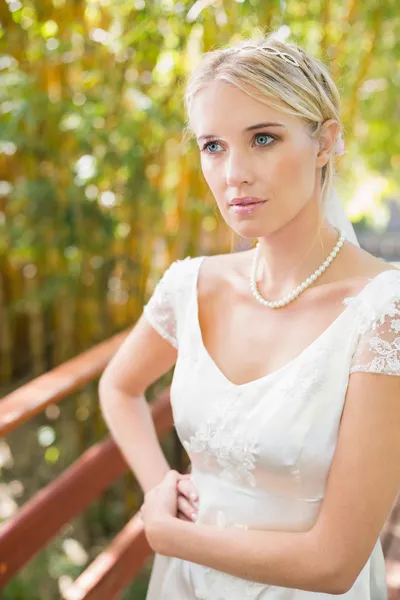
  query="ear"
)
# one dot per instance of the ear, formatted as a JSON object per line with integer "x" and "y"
{"x": 327, "y": 137}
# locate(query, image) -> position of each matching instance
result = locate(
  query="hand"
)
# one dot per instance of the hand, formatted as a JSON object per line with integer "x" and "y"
{"x": 188, "y": 498}
{"x": 159, "y": 508}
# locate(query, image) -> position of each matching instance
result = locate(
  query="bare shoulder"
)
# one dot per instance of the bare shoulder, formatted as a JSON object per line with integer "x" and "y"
{"x": 349, "y": 273}
{"x": 222, "y": 272}
{"x": 358, "y": 264}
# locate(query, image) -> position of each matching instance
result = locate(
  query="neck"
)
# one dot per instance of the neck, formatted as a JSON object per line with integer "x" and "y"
{"x": 290, "y": 255}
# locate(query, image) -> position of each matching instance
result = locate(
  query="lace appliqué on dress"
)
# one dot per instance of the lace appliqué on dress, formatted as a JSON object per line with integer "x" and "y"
{"x": 160, "y": 310}
{"x": 222, "y": 438}
{"x": 378, "y": 349}
{"x": 216, "y": 585}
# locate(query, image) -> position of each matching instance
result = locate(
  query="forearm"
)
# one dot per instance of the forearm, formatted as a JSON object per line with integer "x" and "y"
{"x": 286, "y": 559}
{"x": 131, "y": 425}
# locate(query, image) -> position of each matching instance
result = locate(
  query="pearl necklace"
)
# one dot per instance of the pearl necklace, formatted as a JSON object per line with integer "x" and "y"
{"x": 293, "y": 295}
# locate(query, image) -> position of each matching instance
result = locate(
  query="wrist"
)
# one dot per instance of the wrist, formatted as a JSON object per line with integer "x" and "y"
{"x": 155, "y": 480}
{"x": 161, "y": 534}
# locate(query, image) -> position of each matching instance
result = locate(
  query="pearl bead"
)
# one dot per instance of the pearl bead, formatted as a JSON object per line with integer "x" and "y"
{"x": 293, "y": 295}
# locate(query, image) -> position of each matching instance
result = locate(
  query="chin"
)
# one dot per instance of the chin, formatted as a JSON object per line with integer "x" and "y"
{"x": 253, "y": 230}
{"x": 250, "y": 236}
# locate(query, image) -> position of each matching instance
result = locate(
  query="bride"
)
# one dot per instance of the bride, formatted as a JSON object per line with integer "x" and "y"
{"x": 285, "y": 393}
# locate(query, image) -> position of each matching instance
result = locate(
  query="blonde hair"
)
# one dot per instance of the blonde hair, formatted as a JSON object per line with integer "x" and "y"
{"x": 307, "y": 91}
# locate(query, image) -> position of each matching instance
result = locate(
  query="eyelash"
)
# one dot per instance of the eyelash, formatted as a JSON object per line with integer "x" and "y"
{"x": 207, "y": 144}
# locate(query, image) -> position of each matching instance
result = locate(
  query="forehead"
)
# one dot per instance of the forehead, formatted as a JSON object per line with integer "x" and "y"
{"x": 221, "y": 107}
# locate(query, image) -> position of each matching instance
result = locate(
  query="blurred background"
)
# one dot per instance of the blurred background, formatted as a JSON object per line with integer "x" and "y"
{"x": 99, "y": 194}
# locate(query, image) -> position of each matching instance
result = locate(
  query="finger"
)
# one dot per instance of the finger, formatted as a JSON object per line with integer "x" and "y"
{"x": 188, "y": 489}
{"x": 170, "y": 479}
{"x": 172, "y": 475}
{"x": 175, "y": 473}
{"x": 183, "y": 517}
{"x": 186, "y": 508}
{"x": 185, "y": 475}
{"x": 187, "y": 485}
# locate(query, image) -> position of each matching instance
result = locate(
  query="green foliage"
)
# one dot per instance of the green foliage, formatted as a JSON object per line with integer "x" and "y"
{"x": 92, "y": 94}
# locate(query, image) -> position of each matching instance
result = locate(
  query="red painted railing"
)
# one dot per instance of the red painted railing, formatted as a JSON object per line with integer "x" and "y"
{"x": 42, "y": 517}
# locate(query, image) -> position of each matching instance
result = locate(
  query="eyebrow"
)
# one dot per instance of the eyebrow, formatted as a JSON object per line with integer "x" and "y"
{"x": 258, "y": 126}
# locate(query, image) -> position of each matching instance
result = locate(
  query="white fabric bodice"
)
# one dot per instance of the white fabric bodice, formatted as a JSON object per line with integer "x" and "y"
{"x": 261, "y": 451}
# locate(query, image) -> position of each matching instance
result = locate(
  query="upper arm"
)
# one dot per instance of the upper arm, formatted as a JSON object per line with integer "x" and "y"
{"x": 151, "y": 348}
{"x": 364, "y": 478}
{"x": 141, "y": 359}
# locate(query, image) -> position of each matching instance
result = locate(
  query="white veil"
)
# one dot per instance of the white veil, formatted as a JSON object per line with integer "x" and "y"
{"x": 336, "y": 215}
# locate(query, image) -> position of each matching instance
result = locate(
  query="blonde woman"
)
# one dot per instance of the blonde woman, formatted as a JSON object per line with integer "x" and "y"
{"x": 286, "y": 388}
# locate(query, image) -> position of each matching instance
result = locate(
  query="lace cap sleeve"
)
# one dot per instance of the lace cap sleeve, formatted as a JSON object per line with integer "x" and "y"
{"x": 163, "y": 307}
{"x": 378, "y": 349}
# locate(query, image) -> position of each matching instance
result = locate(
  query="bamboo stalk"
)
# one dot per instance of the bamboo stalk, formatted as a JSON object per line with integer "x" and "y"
{"x": 364, "y": 64}
{"x": 36, "y": 329}
{"x": 5, "y": 337}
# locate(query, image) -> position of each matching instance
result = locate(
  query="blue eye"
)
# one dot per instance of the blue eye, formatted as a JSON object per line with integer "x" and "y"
{"x": 208, "y": 145}
{"x": 207, "y": 148}
{"x": 264, "y": 135}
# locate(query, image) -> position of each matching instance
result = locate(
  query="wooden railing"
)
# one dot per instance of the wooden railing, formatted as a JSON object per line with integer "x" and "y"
{"x": 41, "y": 518}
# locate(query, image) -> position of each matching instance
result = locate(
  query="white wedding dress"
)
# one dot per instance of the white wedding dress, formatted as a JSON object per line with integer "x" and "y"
{"x": 261, "y": 451}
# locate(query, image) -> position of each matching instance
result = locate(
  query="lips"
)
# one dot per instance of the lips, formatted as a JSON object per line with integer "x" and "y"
{"x": 246, "y": 201}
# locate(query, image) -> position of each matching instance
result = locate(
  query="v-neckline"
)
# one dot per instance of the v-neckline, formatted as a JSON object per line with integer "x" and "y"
{"x": 291, "y": 362}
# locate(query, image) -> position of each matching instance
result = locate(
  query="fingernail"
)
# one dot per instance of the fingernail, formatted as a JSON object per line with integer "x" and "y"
{"x": 193, "y": 497}
{"x": 194, "y": 516}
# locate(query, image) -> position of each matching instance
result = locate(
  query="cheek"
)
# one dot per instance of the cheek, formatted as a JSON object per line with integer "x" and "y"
{"x": 296, "y": 170}
{"x": 211, "y": 174}
{"x": 289, "y": 167}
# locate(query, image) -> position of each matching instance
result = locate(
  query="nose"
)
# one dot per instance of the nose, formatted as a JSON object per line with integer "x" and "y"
{"x": 238, "y": 169}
